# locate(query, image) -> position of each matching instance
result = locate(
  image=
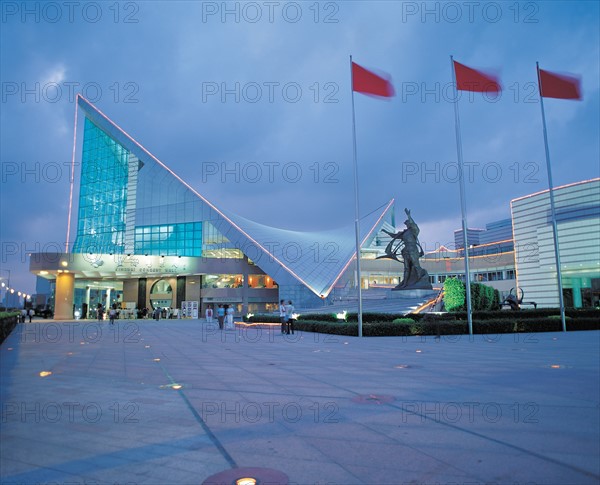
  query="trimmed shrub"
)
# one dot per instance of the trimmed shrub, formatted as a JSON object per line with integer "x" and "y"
{"x": 319, "y": 317}
{"x": 495, "y": 300}
{"x": 404, "y": 320}
{"x": 8, "y": 321}
{"x": 264, "y": 318}
{"x": 350, "y": 329}
{"x": 454, "y": 294}
{"x": 436, "y": 327}
{"x": 374, "y": 317}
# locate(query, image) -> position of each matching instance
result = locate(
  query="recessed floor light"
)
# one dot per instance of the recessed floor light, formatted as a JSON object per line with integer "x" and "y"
{"x": 248, "y": 476}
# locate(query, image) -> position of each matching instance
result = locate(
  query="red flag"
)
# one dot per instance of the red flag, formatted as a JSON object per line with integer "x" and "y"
{"x": 366, "y": 82}
{"x": 468, "y": 79}
{"x": 559, "y": 86}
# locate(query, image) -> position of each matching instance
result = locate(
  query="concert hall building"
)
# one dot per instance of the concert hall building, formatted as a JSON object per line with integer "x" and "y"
{"x": 144, "y": 238}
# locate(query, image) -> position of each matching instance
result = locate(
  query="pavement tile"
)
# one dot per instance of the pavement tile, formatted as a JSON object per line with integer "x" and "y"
{"x": 460, "y": 410}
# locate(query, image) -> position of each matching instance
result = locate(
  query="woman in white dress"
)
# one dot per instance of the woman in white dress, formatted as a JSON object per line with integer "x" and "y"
{"x": 229, "y": 316}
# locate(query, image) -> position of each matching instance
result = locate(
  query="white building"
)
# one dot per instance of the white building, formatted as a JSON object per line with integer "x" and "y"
{"x": 578, "y": 221}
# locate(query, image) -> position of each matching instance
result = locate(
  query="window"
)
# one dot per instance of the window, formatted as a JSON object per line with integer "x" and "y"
{"x": 161, "y": 287}
{"x": 184, "y": 239}
{"x": 103, "y": 193}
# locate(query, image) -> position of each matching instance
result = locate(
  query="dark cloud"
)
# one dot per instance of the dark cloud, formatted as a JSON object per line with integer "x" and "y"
{"x": 216, "y": 99}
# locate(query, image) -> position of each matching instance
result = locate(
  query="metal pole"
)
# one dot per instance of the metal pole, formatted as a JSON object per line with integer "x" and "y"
{"x": 552, "y": 208}
{"x": 463, "y": 204}
{"x": 356, "y": 207}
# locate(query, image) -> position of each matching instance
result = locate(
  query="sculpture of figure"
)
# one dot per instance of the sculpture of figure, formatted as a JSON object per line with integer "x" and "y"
{"x": 407, "y": 243}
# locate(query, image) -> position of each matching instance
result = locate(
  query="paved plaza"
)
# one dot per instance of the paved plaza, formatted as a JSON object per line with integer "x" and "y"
{"x": 176, "y": 402}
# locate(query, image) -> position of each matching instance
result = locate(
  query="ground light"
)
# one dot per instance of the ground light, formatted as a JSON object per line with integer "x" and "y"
{"x": 246, "y": 481}
{"x": 248, "y": 476}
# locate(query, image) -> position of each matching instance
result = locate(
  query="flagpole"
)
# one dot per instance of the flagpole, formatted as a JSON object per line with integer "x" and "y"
{"x": 463, "y": 204}
{"x": 552, "y": 208}
{"x": 356, "y": 207}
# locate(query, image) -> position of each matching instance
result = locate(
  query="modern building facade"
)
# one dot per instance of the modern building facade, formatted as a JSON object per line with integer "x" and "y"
{"x": 145, "y": 239}
{"x": 578, "y": 222}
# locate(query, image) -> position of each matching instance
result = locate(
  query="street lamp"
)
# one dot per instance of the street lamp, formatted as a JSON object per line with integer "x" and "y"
{"x": 7, "y": 284}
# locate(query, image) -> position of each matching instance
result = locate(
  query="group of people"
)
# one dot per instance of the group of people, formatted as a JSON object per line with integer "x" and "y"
{"x": 286, "y": 315}
{"x": 27, "y": 313}
{"x": 224, "y": 316}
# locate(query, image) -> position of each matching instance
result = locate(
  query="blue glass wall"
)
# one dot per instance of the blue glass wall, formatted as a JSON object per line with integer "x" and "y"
{"x": 184, "y": 239}
{"x": 103, "y": 193}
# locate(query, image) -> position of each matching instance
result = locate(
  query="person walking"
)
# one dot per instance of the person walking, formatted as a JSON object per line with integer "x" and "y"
{"x": 221, "y": 316}
{"x": 229, "y": 312}
{"x": 282, "y": 317}
{"x": 30, "y": 313}
{"x": 209, "y": 314}
{"x": 157, "y": 311}
{"x": 289, "y": 313}
{"x": 112, "y": 314}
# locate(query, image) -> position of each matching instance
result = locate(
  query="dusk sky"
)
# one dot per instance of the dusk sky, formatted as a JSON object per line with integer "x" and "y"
{"x": 250, "y": 103}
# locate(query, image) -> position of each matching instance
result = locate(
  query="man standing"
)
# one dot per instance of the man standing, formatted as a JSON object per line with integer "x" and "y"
{"x": 221, "y": 316}
{"x": 282, "y": 317}
{"x": 289, "y": 314}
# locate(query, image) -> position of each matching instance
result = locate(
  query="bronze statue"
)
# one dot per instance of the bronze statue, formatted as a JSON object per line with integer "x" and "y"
{"x": 406, "y": 242}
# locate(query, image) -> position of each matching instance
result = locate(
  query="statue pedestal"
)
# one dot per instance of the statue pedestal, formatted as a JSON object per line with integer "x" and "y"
{"x": 412, "y": 294}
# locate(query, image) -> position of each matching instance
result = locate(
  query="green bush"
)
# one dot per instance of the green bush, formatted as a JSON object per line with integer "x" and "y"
{"x": 483, "y": 297}
{"x": 454, "y": 294}
{"x": 320, "y": 317}
{"x": 403, "y": 320}
{"x": 409, "y": 327}
{"x": 264, "y": 318}
{"x": 495, "y": 300}
{"x": 350, "y": 329}
{"x": 8, "y": 321}
{"x": 374, "y": 317}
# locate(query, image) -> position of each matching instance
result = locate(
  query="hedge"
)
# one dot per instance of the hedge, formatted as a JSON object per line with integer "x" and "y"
{"x": 265, "y": 318}
{"x": 483, "y": 297}
{"x": 8, "y": 321}
{"x": 456, "y": 327}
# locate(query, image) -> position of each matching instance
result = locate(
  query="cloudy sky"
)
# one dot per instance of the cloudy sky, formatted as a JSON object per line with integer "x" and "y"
{"x": 251, "y": 103}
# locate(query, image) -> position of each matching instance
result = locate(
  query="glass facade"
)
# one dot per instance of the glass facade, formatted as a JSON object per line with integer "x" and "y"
{"x": 184, "y": 239}
{"x": 103, "y": 193}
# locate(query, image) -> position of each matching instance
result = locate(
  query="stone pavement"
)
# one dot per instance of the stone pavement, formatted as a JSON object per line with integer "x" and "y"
{"x": 174, "y": 402}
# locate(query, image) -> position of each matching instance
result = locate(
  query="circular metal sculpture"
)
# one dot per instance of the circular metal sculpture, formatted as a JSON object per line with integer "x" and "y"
{"x": 406, "y": 249}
